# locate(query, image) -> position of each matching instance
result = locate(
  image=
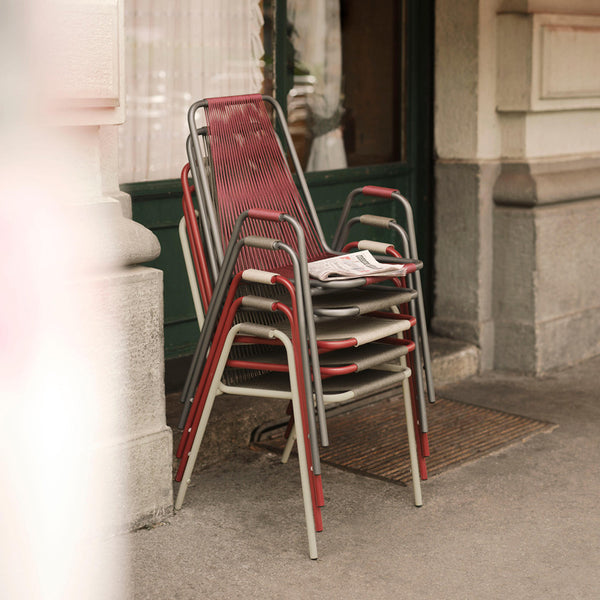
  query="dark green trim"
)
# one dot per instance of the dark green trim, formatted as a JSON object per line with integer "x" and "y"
{"x": 359, "y": 174}
{"x": 145, "y": 190}
{"x": 420, "y": 40}
{"x": 284, "y": 74}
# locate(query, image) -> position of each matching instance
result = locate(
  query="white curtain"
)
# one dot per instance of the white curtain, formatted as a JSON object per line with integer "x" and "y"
{"x": 177, "y": 53}
{"x": 318, "y": 45}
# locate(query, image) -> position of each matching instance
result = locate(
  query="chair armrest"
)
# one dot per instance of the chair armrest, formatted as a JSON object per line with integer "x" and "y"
{"x": 379, "y": 192}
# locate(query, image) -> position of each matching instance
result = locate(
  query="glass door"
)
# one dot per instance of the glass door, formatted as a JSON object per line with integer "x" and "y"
{"x": 354, "y": 78}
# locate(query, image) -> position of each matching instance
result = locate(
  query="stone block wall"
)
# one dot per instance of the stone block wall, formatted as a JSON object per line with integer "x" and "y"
{"x": 518, "y": 180}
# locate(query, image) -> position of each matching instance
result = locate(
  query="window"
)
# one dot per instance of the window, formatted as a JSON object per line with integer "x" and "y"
{"x": 344, "y": 78}
{"x": 338, "y": 66}
{"x": 177, "y": 53}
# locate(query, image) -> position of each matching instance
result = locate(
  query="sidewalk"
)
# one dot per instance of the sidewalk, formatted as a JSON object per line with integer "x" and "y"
{"x": 520, "y": 524}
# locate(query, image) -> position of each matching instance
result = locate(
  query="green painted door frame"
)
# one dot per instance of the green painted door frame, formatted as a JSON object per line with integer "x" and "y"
{"x": 157, "y": 204}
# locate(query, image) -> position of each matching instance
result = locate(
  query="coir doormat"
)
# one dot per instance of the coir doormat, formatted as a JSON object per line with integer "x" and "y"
{"x": 371, "y": 440}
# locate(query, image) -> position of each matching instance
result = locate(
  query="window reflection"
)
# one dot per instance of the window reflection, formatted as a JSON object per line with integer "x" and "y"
{"x": 346, "y": 105}
{"x": 317, "y": 42}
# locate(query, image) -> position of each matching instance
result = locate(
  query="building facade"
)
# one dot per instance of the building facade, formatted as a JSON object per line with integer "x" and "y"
{"x": 517, "y": 173}
{"x": 515, "y": 209}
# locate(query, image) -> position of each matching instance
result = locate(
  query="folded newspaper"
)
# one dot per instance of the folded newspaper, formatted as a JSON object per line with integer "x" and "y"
{"x": 353, "y": 265}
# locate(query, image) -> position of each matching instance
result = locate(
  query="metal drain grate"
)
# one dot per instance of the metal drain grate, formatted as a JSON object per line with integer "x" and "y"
{"x": 371, "y": 440}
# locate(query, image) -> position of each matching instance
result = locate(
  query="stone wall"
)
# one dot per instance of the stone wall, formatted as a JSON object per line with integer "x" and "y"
{"x": 517, "y": 128}
{"x": 87, "y": 104}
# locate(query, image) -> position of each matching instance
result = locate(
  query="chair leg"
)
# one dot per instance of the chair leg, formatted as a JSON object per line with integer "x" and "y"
{"x": 422, "y": 325}
{"x": 307, "y": 494}
{"x": 199, "y": 434}
{"x": 419, "y": 360}
{"x": 425, "y": 444}
{"x": 412, "y": 443}
{"x": 416, "y": 367}
{"x": 415, "y": 416}
{"x": 419, "y": 408}
{"x": 420, "y": 436}
{"x": 289, "y": 445}
{"x": 196, "y": 434}
{"x": 309, "y": 516}
{"x": 204, "y": 378}
{"x": 197, "y": 411}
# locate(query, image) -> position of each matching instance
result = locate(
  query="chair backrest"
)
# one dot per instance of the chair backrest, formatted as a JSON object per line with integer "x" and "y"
{"x": 197, "y": 269}
{"x": 249, "y": 171}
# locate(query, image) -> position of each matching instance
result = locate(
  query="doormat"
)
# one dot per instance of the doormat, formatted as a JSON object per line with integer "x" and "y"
{"x": 371, "y": 440}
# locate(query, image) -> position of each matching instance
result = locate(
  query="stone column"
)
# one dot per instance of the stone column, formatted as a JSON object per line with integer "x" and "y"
{"x": 517, "y": 135}
{"x": 547, "y": 214}
{"x": 85, "y": 452}
{"x": 467, "y": 148}
{"x": 86, "y": 105}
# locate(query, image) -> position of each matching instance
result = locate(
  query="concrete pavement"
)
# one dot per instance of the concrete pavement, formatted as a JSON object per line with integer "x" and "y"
{"x": 523, "y": 523}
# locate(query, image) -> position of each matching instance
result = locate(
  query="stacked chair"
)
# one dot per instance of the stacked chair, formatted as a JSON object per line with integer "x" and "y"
{"x": 267, "y": 328}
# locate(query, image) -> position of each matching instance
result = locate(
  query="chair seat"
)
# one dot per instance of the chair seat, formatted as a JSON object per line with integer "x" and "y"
{"x": 342, "y": 284}
{"x": 348, "y": 331}
{"x": 357, "y": 331}
{"x": 350, "y": 302}
{"x": 360, "y": 358}
{"x": 364, "y": 357}
{"x": 360, "y": 301}
{"x": 338, "y": 389}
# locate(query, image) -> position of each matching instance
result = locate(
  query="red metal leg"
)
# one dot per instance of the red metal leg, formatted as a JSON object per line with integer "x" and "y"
{"x": 203, "y": 387}
{"x": 316, "y": 482}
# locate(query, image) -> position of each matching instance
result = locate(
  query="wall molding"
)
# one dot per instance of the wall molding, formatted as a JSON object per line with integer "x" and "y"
{"x": 526, "y": 183}
{"x": 548, "y": 62}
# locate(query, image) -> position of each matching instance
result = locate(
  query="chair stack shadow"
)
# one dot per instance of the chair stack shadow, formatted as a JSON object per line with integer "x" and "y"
{"x": 268, "y": 329}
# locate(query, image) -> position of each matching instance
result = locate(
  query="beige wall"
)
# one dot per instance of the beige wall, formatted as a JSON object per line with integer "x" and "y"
{"x": 87, "y": 453}
{"x": 86, "y": 101}
{"x": 517, "y": 124}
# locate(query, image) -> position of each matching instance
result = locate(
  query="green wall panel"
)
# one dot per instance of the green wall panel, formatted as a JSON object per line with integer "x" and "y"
{"x": 157, "y": 206}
